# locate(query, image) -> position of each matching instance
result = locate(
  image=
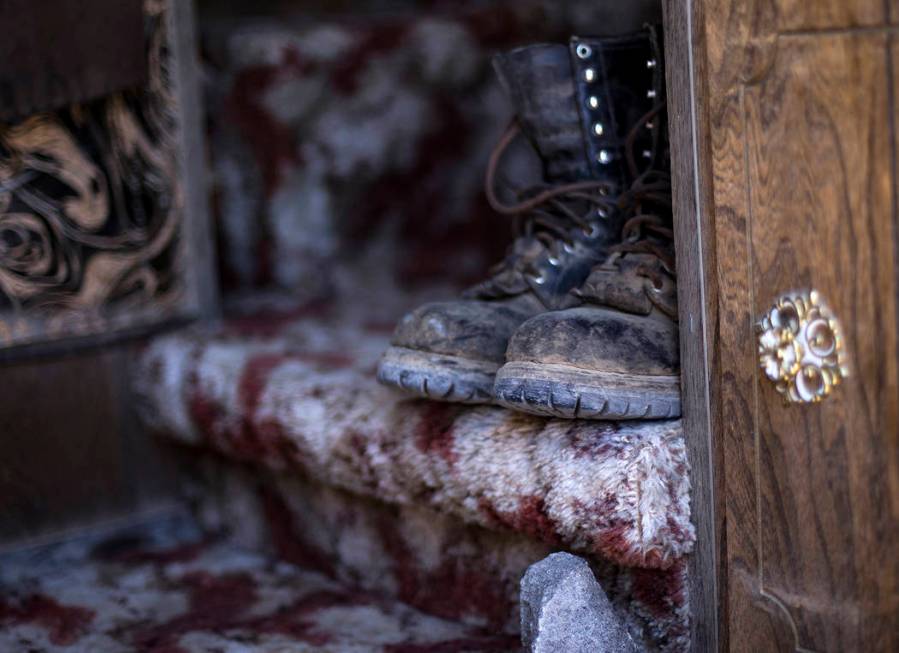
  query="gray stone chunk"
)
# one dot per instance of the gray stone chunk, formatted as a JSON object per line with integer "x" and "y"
{"x": 564, "y": 610}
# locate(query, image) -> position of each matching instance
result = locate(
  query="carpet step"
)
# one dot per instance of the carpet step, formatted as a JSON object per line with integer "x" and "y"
{"x": 296, "y": 394}
{"x": 432, "y": 561}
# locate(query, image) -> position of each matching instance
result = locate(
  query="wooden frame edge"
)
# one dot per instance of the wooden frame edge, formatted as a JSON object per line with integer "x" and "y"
{"x": 697, "y": 299}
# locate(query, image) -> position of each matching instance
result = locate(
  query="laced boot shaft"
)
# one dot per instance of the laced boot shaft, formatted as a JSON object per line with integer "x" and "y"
{"x": 587, "y": 127}
{"x": 579, "y": 106}
{"x": 562, "y": 230}
{"x": 639, "y": 274}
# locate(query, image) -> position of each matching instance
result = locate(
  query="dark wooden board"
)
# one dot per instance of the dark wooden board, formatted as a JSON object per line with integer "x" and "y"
{"x": 697, "y": 305}
{"x": 57, "y": 52}
{"x": 72, "y": 453}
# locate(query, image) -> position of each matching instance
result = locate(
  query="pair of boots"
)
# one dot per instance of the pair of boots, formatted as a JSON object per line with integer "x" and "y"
{"x": 580, "y": 319}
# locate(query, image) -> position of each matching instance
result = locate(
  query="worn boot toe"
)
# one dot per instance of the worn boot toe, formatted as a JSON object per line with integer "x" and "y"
{"x": 592, "y": 362}
{"x": 450, "y": 350}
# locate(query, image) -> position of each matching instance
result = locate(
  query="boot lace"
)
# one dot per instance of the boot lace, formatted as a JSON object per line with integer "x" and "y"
{"x": 547, "y": 213}
{"x": 648, "y": 228}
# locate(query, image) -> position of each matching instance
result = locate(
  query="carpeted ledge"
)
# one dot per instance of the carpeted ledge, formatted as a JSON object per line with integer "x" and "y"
{"x": 431, "y": 561}
{"x": 299, "y": 394}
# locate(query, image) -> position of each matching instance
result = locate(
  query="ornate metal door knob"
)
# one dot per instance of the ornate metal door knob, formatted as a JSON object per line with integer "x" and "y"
{"x": 801, "y": 347}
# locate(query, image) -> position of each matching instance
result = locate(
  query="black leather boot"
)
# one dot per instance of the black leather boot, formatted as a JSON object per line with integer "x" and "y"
{"x": 576, "y": 105}
{"x": 615, "y": 356}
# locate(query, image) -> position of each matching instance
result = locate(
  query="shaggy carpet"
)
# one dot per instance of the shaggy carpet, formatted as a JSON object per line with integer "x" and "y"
{"x": 297, "y": 392}
{"x": 442, "y": 506}
{"x": 151, "y": 594}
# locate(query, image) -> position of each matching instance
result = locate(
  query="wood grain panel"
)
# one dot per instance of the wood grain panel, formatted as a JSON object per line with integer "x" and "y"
{"x": 795, "y": 15}
{"x": 803, "y": 155}
{"x": 753, "y": 624}
{"x": 819, "y": 168}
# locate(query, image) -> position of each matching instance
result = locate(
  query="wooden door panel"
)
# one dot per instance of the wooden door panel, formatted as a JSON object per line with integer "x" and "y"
{"x": 802, "y": 155}
{"x": 818, "y": 157}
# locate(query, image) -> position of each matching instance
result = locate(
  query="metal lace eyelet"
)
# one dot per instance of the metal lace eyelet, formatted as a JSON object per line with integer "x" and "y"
{"x": 651, "y": 63}
{"x": 589, "y": 75}
{"x": 597, "y": 128}
{"x": 594, "y": 231}
{"x": 651, "y": 93}
{"x": 539, "y": 280}
{"x": 650, "y": 124}
{"x": 602, "y": 212}
{"x": 604, "y": 157}
{"x": 593, "y": 102}
{"x": 647, "y": 154}
{"x": 583, "y": 50}
{"x": 553, "y": 261}
{"x": 568, "y": 248}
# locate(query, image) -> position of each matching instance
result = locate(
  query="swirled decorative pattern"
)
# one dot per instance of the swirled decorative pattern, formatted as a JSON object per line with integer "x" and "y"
{"x": 801, "y": 348}
{"x": 90, "y": 211}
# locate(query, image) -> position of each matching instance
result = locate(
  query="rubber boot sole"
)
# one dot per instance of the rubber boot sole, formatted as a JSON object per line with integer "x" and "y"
{"x": 438, "y": 376}
{"x": 557, "y": 390}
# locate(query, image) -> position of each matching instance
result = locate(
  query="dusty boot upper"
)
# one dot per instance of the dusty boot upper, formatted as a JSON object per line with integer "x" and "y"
{"x": 577, "y": 105}
{"x": 614, "y": 354}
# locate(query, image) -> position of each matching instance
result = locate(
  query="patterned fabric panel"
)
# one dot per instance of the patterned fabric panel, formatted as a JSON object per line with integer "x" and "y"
{"x": 431, "y": 561}
{"x": 130, "y": 596}
{"x": 91, "y": 209}
{"x": 302, "y": 397}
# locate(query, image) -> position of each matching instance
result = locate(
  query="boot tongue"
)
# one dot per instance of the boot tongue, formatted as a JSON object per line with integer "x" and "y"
{"x": 538, "y": 79}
